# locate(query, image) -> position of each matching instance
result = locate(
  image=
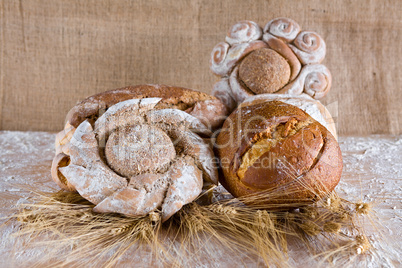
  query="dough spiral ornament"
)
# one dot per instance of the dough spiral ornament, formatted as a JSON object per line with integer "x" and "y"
{"x": 318, "y": 83}
{"x": 314, "y": 80}
{"x": 269, "y": 61}
{"x": 283, "y": 28}
{"x": 218, "y": 57}
{"x": 309, "y": 47}
{"x": 243, "y": 31}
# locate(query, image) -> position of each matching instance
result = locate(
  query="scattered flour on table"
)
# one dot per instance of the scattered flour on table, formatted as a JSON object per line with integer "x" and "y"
{"x": 372, "y": 173}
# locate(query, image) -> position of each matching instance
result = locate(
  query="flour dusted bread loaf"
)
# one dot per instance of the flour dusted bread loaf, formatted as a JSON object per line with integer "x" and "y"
{"x": 138, "y": 149}
{"x": 276, "y": 148}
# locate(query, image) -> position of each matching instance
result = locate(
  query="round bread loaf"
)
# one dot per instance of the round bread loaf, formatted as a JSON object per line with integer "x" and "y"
{"x": 264, "y": 71}
{"x": 278, "y": 154}
{"x": 202, "y": 106}
{"x": 137, "y": 149}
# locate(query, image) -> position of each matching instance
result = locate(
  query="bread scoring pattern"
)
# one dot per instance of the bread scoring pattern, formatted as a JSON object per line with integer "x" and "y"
{"x": 276, "y": 147}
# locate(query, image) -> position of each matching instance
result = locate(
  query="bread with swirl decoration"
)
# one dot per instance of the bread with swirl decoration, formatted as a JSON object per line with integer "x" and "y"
{"x": 279, "y": 58}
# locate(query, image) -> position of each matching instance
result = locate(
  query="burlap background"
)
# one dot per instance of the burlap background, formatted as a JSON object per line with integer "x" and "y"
{"x": 54, "y": 53}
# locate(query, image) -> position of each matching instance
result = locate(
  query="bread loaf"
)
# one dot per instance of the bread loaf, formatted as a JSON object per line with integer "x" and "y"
{"x": 279, "y": 58}
{"x": 138, "y": 149}
{"x": 275, "y": 148}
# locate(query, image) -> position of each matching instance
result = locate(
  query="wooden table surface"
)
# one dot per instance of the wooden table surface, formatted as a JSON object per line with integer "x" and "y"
{"x": 372, "y": 173}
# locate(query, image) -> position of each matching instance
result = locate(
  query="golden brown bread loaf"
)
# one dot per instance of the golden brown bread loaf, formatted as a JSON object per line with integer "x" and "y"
{"x": 276, "y": 148}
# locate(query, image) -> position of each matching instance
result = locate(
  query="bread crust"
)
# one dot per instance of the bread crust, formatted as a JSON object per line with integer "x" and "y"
{"x": 303, "y": 101}
{"x": 303, "y": 161}
{"x": 264, "y": 71}
{"x": 172, "y": 97}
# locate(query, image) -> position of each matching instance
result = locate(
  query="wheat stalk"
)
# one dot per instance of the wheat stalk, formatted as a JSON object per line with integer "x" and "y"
{"x": 78, "y": 236}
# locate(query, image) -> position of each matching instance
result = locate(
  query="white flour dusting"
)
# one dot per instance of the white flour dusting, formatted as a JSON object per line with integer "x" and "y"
{"x": 372, "y": 173}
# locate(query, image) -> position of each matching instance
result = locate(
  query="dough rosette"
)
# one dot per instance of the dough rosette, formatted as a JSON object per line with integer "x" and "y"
{"x": 139, "y": 149}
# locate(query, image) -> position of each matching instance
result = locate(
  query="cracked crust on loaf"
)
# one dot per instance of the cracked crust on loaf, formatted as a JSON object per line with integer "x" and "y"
{"x": 274, "y": 146}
